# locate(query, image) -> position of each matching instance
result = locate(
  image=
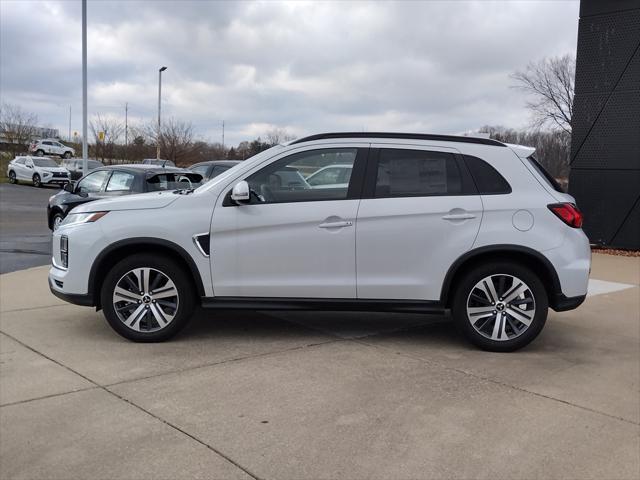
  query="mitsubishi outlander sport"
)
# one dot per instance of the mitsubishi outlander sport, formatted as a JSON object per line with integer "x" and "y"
{"x": 424, "y": 224}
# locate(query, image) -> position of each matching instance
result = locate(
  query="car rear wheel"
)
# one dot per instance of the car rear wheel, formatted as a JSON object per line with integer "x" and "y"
{"x": 37, "y": 182}
{"x": 147, "y": 298}
{"x": 500, "y": 307}
{"x": 12, "y": 177}
{"x": 67, "y": 155}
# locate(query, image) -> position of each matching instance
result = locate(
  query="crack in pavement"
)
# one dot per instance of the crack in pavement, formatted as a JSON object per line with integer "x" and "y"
{"x": 160, "y": 419}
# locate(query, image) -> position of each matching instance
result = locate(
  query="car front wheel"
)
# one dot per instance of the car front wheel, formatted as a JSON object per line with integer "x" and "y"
{"x": 67, "y": 155}
{"x": 39, "y": 153}
{"x": 147, "y": 298}
{"x": 12, "y": 177}
{"x": 500, "y": 307}
{"x": 57, "y": 220}
{"x": 37, "y": 182}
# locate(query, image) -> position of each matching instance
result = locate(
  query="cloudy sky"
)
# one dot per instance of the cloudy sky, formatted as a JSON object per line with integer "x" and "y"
{"x": 308, "y": 67}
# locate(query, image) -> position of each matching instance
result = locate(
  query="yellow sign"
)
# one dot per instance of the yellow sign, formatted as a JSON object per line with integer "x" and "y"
{"x": 101, "y": 136}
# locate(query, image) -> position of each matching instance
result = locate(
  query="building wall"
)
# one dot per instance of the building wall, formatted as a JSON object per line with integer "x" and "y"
{"x": 605, "y": 150}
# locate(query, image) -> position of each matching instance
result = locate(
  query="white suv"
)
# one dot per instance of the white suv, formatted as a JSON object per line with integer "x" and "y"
{"x": 37, "y": 170}
{"x": 427, "y": 223}
{"x": 51, "y": 147}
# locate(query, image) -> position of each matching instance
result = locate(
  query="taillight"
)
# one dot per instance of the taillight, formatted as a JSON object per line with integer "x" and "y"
{"x": 568, "y": 213}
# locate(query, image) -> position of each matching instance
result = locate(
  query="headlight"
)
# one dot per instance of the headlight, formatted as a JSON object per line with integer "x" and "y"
{"x": 76, "y": 218}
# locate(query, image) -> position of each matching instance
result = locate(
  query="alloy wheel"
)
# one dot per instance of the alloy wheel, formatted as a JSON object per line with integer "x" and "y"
{"x": 57, "y": 220}
{"x": 145, "y": 300}
{"x": 501, "y": 307}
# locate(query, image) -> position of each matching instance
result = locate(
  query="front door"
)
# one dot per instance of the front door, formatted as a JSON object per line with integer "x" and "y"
{"x": 420, "y": 213}
{"x": 289, "y": 240}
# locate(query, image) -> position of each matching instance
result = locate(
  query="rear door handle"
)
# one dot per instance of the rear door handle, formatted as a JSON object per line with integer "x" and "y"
{"x": 459, "y": 216}
{"x": 340, "y": 224}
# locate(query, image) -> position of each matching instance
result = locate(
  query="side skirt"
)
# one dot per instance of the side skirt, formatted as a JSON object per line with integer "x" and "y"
{"x": 326, "y": 304}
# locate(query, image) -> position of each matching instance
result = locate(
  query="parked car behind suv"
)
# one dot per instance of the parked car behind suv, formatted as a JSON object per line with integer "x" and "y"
{"x": 75, "y": 166}
{"x": 213, "y": 168}
{"x": 51, "y": 147}
{"x": 37, "y": 170}
{"x": 115, "y": 181}
{"x": 427, "y": 223}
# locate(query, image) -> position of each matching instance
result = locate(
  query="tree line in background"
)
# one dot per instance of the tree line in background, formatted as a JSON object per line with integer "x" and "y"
{"x": 548, "y": 82}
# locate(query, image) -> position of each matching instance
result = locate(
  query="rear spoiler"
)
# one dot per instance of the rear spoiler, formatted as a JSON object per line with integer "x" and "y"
{"x": 521, "y": 151}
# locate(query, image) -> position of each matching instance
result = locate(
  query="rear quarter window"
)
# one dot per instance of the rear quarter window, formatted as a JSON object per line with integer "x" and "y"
{"x": 487, "y": 179}
{"x": 546, "y": 176}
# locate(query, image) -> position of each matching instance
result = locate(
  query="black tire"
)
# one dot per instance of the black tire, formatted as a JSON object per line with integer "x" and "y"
{"x": 462, "y": 295}
{"x": 12, "y": 177}
{"x": 59, "y": 217}
{"x": 40, "y": 153}
{"x": 66, "y": 155}
{"x": 37, "y": 182}
{"x": 168, "y": 267}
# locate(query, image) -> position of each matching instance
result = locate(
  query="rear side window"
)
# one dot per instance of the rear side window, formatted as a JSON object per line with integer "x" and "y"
{"x": 488, "y": 180}
{"x": 544, "y": 174}
{"x": 417, "y": 173}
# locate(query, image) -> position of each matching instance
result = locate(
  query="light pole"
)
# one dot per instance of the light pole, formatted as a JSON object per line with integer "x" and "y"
{"x": 85, "y": 144}
{"x": 162, "y": 69}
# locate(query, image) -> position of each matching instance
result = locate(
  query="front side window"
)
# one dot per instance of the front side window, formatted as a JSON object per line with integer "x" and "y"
{"x": 329, "y": 176}
{"x": 20, "y": 161}
{"x": 92, "y": 183}
{"x": 217, "y": 170}
{"x": 202, "y": 170}
{"x": 120, "y": 182}
{"x": 284, "y": 180}
{"x": 417, "y": 173}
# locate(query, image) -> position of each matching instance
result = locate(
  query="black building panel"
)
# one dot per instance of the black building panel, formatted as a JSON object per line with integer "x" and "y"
{"x": 605, "y": 157}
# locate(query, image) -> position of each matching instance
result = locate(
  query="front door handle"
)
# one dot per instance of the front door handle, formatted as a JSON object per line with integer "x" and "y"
{"x": 341, "y": 224}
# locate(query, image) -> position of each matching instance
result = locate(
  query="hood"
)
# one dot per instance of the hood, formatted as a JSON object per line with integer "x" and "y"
{"x": 138, "y": 201}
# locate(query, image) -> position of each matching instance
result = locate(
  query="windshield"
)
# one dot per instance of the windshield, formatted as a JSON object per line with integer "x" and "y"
{"x": 44, "y": 162}
{"x": 173, "y": 181}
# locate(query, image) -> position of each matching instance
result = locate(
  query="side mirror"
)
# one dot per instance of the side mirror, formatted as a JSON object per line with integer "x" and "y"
{"x": 241, "y": 192}
{"x": 69, "y": 187}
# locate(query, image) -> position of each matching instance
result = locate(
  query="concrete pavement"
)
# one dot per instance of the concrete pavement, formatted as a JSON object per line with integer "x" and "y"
{"x": 319, "y": 395}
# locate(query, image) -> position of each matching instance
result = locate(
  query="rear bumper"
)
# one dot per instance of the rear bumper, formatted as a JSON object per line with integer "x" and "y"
{"x": 561, "y": 303}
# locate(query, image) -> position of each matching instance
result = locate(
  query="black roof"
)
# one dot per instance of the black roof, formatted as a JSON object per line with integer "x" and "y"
{"x": 229, "y": 163}
{"x": 403, "y": 136}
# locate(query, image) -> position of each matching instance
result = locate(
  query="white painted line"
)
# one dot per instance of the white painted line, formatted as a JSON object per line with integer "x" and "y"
{"x": 600, "y": 287}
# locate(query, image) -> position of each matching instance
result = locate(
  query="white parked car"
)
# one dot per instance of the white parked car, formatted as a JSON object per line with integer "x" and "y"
{"x": 331, "y": 176}
{"x": 51, "y": 147}
{"x": 427, "y": 223}
{"x": 37, "y": 170}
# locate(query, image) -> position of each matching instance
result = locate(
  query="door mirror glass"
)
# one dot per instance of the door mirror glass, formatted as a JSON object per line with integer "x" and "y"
{"x": 241, "y": 192}
{"x": 69, "y": 187}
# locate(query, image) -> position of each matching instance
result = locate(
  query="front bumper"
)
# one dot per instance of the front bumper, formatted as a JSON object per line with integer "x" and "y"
{"x": 58, "y": 180}
{"x": 85, "y": 300}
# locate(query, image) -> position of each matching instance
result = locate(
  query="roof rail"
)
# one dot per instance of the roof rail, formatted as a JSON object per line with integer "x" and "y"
{"x": 404, "y": 136}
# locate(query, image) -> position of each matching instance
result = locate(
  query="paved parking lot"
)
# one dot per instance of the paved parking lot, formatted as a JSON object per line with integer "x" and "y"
{"x": 25, "y": 238}
{"x": 311, "y": 395}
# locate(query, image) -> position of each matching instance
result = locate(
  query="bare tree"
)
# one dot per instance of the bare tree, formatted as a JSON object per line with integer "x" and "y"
{"x": 551, "y": 82}
{"x": 17, "y": 126}
{"x": 107, "y": 132}
{"x": 277, "y": 135}
{"x": 176, "y": 139}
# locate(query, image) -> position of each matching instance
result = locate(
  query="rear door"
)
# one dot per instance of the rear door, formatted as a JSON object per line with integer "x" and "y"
{"x": 419, "y": 213}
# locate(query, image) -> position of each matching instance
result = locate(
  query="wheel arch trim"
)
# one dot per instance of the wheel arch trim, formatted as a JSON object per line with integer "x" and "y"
{"x": 555, "y": 289}
{"x": 134, "y": 242}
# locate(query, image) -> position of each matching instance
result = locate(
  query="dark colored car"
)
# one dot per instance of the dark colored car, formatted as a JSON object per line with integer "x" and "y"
{"x": 213, "y": 168}
{"x": 158, "y": 162}
{"x": 74, "y": 165}
{"x": 116, "y": 180}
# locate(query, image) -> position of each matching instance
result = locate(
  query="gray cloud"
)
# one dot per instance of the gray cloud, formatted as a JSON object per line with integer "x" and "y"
{"x": 309, "y": 67}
